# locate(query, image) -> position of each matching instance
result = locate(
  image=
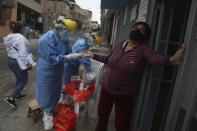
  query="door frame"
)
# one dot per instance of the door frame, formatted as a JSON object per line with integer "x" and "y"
{"x": 175, "y": 104}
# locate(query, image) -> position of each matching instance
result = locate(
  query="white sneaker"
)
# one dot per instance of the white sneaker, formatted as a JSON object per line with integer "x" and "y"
{"x": 48, "y": 121}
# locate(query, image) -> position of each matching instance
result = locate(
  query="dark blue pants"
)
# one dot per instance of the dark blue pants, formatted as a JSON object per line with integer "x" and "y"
{"x": 21, "y": 76}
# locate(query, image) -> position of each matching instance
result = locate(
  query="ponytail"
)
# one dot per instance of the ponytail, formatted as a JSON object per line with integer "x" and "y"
{"x": 15, "y": 27}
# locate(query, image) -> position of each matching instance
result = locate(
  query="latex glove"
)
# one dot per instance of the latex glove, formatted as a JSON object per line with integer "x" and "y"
{"x": 74, "y": 56}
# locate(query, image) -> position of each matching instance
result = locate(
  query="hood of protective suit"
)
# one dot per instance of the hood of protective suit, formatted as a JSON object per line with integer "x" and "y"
{"x": 80, "y": 45}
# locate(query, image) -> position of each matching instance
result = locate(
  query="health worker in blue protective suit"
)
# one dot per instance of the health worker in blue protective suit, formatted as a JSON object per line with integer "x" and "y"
{"x": 53, "y": 48}
{"x": 71, "y": 68}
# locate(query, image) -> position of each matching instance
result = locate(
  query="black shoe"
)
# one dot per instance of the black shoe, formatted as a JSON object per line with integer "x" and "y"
{"x": 10, "y": 101}
{"x": 19, "y": 96}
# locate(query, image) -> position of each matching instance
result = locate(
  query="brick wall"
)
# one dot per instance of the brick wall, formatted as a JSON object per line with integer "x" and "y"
{"x": 4, "y": 30}
{"x": 61, "y": 7}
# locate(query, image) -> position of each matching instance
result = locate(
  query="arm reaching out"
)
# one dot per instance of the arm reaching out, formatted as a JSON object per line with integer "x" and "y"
{"x": 100, "y": 58}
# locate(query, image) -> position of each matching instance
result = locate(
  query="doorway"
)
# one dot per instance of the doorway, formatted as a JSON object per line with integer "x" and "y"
{"x": 170, "y": 23}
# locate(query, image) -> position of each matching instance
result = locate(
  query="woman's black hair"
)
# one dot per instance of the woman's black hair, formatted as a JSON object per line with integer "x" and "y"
{"x": 136, "y": 35}
{"x": 147, "y": 28}
{"x": 15, "y": 27}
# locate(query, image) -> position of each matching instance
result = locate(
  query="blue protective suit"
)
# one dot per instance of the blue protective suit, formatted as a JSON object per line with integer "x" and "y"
{"x": 50, "y": 67}
{"x": 72, "y": 67}
{"x": 80, "y": 45}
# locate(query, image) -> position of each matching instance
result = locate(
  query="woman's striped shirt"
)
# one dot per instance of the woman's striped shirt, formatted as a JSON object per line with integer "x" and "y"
{"x": 125, "y": 69}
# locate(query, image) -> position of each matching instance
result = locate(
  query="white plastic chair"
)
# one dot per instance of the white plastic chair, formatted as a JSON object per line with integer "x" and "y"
{"x": 97, "y": 68}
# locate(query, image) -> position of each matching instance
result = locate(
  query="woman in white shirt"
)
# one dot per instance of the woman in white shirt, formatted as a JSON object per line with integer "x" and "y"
{"x": 17, "y": 47}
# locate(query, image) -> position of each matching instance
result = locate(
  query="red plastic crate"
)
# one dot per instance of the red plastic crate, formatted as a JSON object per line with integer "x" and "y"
{"x": 79, "y": 95}
{"x": 64, "y": 126}
{"x": 65, "y": 119}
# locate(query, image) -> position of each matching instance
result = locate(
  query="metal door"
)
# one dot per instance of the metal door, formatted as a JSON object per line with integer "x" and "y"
{"x": 168, "y": 35}
{"x": 182, "y": 114}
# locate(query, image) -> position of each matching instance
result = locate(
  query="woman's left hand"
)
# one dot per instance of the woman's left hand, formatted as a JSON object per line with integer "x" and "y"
{"x": 87, "y": 53}
{"x": 176, "y": 58}
{"x": 74, "y": 56}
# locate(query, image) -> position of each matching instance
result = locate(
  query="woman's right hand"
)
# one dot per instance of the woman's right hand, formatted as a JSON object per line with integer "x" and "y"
{"x": 29, "y": 67}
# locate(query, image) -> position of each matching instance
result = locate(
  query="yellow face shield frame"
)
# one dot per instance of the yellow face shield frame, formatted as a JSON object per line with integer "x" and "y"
{"x": 70, "y": 24}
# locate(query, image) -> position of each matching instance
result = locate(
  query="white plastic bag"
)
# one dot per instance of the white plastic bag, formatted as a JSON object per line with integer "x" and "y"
{"x": 89, "y": 77}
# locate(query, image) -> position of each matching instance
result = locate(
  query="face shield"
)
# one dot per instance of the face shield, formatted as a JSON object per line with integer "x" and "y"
{"x": 66, "y": 26}
{"x": 70, "y": 24}
{"x": 87, "y": 38}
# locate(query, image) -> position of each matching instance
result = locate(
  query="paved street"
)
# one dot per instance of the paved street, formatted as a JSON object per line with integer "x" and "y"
{"x": 16, "y": 120}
